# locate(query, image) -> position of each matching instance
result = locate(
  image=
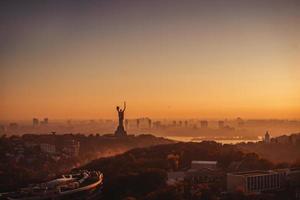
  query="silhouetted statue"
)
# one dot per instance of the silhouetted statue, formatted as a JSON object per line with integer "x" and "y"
{"x": 120, "y": 130}
{"x": 121, "y": 113}
{"x": 126, "y": 123}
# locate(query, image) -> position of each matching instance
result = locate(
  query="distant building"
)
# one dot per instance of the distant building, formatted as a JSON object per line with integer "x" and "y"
{"x": 204, "y": 164}
{"x": 228, "y": 128}
{"x": 200, "y": 172}
{"x": 157, "y": 124}
{"x": 2, "y": 129}
{"x": 46, "y": 120}
{"x": 221, "y": 124}
{"x": 69, "y": 122}
{"x": 204, "y": 124}
{"x": 175, "y": 177}
{"x": 174, "y": 123}
{"x": 150, "y": 123}
{"x": 72, "y": 148}
{"x": 35, "y": 122}
{"x": 267, "y": 138}
{"x": 143, "y": 123}
{"x": 180, "y": 123}
{"x": 186, "y": 123}
{"x": 13, "y": 126}
{"x": 48, "y": 148}
{"x": 240, "y": 122}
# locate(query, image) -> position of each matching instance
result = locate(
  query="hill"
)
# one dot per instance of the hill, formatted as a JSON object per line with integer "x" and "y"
{"x": 141, "y": 173}
{"x": 23, "y": 162}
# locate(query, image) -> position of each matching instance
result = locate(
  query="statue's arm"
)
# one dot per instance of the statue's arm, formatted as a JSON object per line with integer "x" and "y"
{"x": 124, "y": 106}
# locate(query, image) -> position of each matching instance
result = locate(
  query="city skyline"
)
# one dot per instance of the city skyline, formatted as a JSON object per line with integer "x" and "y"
{"x": 167, "y": 59}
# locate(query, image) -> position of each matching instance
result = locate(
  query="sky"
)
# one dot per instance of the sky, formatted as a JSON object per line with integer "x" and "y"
{"x": 165, "y": 58}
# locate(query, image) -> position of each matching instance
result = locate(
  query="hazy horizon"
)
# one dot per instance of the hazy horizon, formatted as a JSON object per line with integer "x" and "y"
{"x": 115, "y": 118}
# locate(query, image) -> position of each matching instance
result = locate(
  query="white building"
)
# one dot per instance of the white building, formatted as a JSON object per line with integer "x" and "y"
{"x": 254, "y": 181}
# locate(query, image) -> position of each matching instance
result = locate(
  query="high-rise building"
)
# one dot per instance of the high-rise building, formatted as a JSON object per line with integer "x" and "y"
{"x": 186, "y": 123}
{"x": 180, "y": 123}
{"x": 149, "y": 123}
{"x": 204, "y": 124}
{"x": 44, "y": 122}
{"x": 35, "y": 121}
{"x": 221, "y": 124}
{"x": 174, "y": 123}
{"x": 157, "y": 124}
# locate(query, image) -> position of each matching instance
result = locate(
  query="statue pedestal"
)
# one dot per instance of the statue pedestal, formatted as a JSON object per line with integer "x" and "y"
{"x": 120, "y": 131}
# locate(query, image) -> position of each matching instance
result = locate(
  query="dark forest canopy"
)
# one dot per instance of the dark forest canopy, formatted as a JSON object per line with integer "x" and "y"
{"x": 143, "y": 171}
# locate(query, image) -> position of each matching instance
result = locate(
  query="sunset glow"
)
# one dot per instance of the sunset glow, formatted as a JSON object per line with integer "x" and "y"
{"x": 231, "y": 59}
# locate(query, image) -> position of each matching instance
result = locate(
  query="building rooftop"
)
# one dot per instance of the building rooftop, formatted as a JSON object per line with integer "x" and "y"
{"x": 252, "y": 173}
{"x": 265, "y": 172}
{"x": 204, "y": 162}
{"x": 295, "y": 169}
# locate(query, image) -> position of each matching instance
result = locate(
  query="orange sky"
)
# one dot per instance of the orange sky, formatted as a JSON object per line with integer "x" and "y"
{"x": 166, "y": 60}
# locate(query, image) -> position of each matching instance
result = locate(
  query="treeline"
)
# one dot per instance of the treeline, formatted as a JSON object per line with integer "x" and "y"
{"x": 31, "y": 165}
{"x": 275, "y": 152}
